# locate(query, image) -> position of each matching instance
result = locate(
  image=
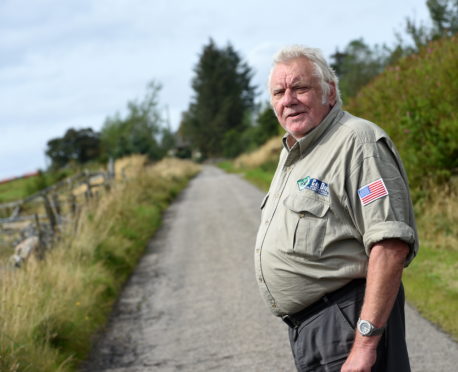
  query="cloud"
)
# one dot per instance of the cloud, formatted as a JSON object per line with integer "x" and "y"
{"x": 72, "y": 63}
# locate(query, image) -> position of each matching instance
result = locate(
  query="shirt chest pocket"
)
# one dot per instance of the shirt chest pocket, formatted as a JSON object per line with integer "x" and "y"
{"x": 307, "y": 220}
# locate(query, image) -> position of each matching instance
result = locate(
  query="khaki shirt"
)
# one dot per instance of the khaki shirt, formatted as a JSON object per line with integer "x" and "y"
{"x": 326, "y": 208}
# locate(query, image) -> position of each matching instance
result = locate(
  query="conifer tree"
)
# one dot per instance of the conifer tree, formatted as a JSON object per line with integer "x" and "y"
{"x": 223, "y": 95}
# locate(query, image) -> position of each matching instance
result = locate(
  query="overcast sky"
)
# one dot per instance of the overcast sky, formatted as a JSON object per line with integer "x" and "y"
{"x": 72, "y": 63}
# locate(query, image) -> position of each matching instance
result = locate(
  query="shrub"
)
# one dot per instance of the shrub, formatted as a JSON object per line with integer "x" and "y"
{"x": 415, "y": 102}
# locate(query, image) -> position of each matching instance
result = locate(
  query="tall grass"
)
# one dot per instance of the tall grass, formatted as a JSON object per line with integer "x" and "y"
{"x": 267, "y": 153}
{"x": 50, "y": 309}
{"x": 431, "y": 280}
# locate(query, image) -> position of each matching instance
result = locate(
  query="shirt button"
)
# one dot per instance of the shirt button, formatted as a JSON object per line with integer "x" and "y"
{"x": 260, "y": 279}
{"x": 266, "y": 222}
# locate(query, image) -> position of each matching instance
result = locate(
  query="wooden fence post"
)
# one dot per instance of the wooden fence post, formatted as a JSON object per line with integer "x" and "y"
{"x": 56, "y": 204}
{"x": 41, "y": 241}
{"x": 50, "y": 213}
{"x": 56, "y": 208}
{"x": 88, "y": 192}
{"x": 111, "y": 169}
{"x": 72, "y": 201}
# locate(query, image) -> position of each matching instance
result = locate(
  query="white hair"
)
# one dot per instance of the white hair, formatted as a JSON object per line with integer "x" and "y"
{"x": 321, "y": 68}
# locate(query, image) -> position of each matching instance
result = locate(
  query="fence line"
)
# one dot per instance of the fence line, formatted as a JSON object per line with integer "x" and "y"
{"x": 43, "y": 214}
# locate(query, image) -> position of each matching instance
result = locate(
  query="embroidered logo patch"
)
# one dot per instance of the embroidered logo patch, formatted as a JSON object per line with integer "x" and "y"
{"x": 373, "y": 191}
{"x": 313, "y": 184}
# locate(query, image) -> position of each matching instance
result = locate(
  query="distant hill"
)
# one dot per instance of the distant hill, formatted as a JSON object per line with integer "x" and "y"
{"x": 26, "y": 175}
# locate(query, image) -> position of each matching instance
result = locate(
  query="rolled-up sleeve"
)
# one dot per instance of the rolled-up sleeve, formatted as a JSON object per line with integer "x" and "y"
{"x": 379, "y": 198}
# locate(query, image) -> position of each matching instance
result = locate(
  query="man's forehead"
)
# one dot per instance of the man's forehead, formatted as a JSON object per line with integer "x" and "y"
{"x": 293, "y": 71}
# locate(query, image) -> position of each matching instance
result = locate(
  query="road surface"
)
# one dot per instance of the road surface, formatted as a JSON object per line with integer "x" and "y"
{"x": 193, "y": 303}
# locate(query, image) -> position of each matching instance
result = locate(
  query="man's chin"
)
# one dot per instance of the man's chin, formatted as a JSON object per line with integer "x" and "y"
{"x": 298, "y": 131}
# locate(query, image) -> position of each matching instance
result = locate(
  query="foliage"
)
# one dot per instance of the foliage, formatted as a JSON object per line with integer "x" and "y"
{"x": 77, "y": 145}
{"x": 356, "y": 65}
{"x": 444, "y": 18}
{"x": 223, "y": 97}
{"x": 266, "y": 126}
{"x": 51, "y": 310}
{"x": 140, "y": 132}
{"x": 414, "y": 101}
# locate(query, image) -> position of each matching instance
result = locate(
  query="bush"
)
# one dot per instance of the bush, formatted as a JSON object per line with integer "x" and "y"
{"x": 415, "y": 102}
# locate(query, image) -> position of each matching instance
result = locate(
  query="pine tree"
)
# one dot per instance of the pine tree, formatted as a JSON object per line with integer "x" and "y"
{"x": 223, "y": 95}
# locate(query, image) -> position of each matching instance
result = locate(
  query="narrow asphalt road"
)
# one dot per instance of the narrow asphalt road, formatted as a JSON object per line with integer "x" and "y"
{"x": 193, "y": 302}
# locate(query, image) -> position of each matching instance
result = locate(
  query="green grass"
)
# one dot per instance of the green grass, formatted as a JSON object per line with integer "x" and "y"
{"x": 16, "y": 190}
{"x": 431, "y": 280}
{"x": 260, "y": 177}
{"x": 23, "y": 187}
{"x": 431, "y": 286}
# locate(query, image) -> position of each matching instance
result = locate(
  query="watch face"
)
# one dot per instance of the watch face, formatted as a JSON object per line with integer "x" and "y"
{"x": 364, "y": 327}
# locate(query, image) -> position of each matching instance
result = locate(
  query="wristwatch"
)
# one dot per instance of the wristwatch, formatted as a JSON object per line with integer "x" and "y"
{"x": 366, "y": 328}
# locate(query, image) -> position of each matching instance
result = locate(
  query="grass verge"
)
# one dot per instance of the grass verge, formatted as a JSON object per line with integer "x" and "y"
{"x": 431, "y": 280}
{"x": 49, "y": 310}
{"x": 260, "y": 177}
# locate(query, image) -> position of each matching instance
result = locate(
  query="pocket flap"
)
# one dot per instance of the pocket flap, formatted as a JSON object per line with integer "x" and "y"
{"x": 304, "y": 204}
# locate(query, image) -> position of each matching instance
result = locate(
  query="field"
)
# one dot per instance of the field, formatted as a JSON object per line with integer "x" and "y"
{"x": 16, "y": 189}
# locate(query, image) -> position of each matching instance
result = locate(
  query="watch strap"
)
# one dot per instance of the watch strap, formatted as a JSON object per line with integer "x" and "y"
{"x": 373, "y": 330}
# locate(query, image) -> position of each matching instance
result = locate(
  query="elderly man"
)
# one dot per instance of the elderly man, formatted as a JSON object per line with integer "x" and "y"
{"x": 337, "y": 227}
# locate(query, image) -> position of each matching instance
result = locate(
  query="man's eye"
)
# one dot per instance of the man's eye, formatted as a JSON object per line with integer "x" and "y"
{"x": 278, "y": 93}
{"x": 302, "y": 89}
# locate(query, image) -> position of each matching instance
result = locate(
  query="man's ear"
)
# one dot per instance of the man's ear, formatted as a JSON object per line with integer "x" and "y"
{"x": 332, "y": 98}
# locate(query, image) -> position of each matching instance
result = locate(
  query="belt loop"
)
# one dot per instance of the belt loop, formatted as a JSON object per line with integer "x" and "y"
{"x": 296, "y": 333}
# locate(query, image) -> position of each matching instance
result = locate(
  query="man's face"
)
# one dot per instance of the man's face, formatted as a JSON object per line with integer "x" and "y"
{"x": 296, "y": 97}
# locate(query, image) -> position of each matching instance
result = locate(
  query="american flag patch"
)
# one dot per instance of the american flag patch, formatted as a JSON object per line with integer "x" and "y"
{"x": 373, "y": 191}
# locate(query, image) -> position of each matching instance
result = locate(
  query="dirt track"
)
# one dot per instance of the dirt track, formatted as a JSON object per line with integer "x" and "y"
{"x": 193, "y": 302}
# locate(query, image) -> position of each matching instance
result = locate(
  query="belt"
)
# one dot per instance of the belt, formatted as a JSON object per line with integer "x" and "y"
{"x": 296, "y": 319}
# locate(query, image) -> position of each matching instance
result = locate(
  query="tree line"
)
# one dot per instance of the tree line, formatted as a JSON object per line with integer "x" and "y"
{"x": 143, "y": 130}
{"x": 358, "y": 63}
{"x": 223, "y": 118}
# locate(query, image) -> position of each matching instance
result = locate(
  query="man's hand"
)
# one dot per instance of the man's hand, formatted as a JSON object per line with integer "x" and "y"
{"x": 361, "y": 359}
{"x": 384, "y": 272}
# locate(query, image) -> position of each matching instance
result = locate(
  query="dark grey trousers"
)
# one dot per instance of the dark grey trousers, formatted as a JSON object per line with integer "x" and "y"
{"x": 323, "y": 340}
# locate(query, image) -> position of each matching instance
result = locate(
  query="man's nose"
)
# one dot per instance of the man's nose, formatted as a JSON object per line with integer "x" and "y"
{"x": 289, "y": 98}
